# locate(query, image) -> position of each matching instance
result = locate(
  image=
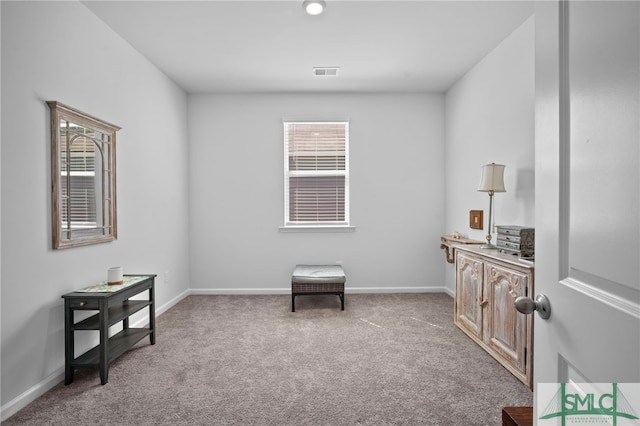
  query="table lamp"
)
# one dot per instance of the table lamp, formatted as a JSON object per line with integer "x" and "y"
{"x": 492, "y": 181}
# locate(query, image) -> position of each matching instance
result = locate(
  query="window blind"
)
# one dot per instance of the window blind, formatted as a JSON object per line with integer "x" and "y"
{"x": 316, "y": 173}
{"x": 80, "y": 207}
{"x": 78, "y": 177}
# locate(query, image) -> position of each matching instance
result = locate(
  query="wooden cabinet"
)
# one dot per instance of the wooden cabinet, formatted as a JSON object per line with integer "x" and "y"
{"x": 487, "y": 284}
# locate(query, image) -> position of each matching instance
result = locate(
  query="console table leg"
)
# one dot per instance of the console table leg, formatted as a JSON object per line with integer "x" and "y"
{"x": 68, "y": 342}
{"x": 104, "y": 342}
{"x": 152, "y": 316}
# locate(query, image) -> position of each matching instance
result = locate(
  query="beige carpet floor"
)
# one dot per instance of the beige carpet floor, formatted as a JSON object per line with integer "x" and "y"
{"x": 388, "y": 359}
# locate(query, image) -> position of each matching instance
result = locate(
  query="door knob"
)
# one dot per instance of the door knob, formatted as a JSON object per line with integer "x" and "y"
{"x": 526, "y": 305}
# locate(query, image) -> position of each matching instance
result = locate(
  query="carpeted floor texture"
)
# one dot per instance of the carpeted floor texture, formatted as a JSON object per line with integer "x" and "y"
{"x": 388, "y": 359}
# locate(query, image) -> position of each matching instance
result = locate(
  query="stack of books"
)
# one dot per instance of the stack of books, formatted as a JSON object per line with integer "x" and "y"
{"x": 518, "y": 240}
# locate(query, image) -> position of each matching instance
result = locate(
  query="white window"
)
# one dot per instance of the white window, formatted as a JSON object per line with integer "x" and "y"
{"x": 316, "y": 174}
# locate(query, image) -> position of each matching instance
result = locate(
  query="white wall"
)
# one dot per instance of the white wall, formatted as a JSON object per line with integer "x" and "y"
{"x": 490, "y": 118}
{"x": 1, "y": 417}
{"x": 176, "y": 199}
{"x": 85, "y": 65}
{"x": 397, "y": 196}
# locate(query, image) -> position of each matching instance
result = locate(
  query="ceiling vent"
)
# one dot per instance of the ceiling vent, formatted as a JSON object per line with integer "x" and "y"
{"x": 326, "y": 71}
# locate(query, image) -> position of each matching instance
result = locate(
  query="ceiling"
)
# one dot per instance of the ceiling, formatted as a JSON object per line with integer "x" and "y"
{"x": 273, "y": 46}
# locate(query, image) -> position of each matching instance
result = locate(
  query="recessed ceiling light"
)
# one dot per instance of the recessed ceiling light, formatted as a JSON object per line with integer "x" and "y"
{"x": 313, "y": 7}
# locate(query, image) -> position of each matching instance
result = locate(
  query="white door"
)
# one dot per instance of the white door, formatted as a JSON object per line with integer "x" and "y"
{"x": 587, "y": 192}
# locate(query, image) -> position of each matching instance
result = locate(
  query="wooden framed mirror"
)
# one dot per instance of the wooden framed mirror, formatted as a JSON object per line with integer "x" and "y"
{"x": 83, "y": 178}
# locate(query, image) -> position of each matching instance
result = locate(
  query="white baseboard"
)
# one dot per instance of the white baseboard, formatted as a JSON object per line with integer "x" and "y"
{"x": 164, "y": 308}
{"x": 27, "y": 397}
{"x": 287, "y": 290}
{"x": 237, "y": 291}
{"x": 366, "y": 290}
{"x": 33, "y": 393}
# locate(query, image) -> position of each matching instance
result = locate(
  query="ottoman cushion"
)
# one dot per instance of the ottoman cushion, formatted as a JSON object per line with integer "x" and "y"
{"x": 312, "y": 274}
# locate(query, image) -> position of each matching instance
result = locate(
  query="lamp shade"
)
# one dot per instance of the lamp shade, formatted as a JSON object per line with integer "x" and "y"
{"x": 492, "y": 178}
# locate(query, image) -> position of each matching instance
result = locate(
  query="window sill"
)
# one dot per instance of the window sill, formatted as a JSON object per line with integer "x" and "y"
{"x": 327, "y": 228}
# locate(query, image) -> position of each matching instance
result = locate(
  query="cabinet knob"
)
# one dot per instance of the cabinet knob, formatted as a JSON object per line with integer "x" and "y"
{"x": 526, "y": 305}
{"x": 483, "y": 303}
{"x": 82, "y": 304}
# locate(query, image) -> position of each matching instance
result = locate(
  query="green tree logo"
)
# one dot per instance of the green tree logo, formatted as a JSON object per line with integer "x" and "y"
{"x": 612, "y": 405}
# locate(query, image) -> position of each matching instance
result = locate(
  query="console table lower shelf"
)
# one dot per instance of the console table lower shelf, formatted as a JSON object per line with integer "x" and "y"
{"x": 114, "y": 305}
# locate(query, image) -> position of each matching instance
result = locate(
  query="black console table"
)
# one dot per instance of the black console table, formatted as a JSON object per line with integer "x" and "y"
{"x": 113, "y": 305}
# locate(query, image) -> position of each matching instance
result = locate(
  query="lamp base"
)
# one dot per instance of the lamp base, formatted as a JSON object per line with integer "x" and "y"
{"x": 488, "y": 246}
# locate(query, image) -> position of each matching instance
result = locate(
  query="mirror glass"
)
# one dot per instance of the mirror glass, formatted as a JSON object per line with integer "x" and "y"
{"x": 83, "y": 168}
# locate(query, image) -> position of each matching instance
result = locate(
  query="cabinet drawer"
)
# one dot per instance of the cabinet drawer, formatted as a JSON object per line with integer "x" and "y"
{"x": 508, "y": 244}
{"x": 509, "y": 237}
{"x": 519, "y": 231}
{"x": 84, "y": 304}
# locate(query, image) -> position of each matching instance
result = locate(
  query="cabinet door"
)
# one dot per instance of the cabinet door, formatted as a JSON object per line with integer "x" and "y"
{"x": 469, "y": 301}
{"x": 506, "y": 330}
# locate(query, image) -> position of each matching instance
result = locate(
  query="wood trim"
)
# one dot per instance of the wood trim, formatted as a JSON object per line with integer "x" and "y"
{"x": 59, "y": 111}
{"x": 517, "y": 416}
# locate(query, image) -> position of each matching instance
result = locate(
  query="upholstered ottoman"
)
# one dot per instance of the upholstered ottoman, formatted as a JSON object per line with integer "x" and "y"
{"x": 317, "y": 279}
